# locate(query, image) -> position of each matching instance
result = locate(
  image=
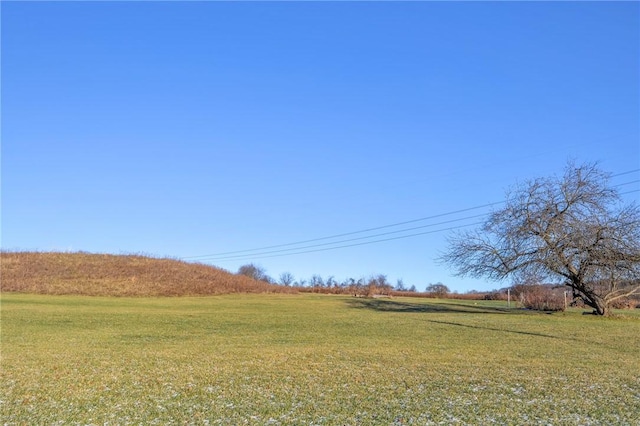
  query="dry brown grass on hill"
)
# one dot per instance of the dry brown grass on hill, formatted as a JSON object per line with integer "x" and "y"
{"x": 119, "y": 275}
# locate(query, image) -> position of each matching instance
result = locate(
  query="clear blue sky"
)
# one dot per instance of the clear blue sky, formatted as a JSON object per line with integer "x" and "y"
{"x": 188, "y": 129}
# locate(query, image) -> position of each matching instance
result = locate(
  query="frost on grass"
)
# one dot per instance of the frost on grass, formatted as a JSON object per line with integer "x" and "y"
{"x": 392, "y": 369}
{"x": 379, "y": 400}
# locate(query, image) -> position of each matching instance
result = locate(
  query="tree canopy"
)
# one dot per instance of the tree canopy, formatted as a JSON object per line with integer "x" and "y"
{"x": 572, "y": 229}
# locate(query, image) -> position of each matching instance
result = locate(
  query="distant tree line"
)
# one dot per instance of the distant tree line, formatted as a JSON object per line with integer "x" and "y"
{"x": 527, "y": 292}
{"x": 375, "y": 285}
{"x": 364, "y": 286}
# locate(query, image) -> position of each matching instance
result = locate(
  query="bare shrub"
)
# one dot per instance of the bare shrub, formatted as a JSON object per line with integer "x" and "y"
{"x": 540, "y": 297}
{"x": 495, "y": 295}
{"x": 438, "y": 290}
{"x": 625, "y": 303}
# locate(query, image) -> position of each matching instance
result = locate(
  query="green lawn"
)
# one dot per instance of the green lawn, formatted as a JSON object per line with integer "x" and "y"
{"x": 308, "y": 359}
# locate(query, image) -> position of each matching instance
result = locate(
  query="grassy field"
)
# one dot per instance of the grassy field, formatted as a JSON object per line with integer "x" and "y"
{"x": 312, "y": 359}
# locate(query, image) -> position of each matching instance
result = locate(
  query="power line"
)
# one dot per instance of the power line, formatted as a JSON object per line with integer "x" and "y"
{"x": 626, "y": 173}
{"x": 240, "y": 256}
{"x": 260, "y": 253}
{"x": 626, "y": 183}
{"x": 346, "y": 233}
{"x": 372, "y": 242}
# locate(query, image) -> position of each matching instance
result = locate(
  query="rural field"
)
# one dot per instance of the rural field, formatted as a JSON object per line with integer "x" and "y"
{"x": 312, "y": 359}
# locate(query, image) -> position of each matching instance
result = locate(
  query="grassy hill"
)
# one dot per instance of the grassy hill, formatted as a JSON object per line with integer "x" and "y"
{"x": 119, "y": 275}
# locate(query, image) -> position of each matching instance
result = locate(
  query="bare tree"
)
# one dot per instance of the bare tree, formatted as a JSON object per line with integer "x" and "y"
{"x": 572, "y": 230}
{"x": 331, "y": 282}
{"x": 378, "y": 284}
{"x": 438, "y": 289}
{"x": 316, "y": 281}
{"x": 258, "y": 273}
{"x": 286, "y": 279}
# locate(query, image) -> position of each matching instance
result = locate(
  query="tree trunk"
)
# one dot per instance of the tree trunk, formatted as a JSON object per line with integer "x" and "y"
{"x": 600, "y": 307}
{"x": 591, "y": 299}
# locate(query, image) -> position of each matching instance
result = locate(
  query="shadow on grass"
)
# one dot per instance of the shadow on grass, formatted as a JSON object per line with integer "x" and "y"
{"x": 502, "y": 330}
{"x": 433, "y": 307}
